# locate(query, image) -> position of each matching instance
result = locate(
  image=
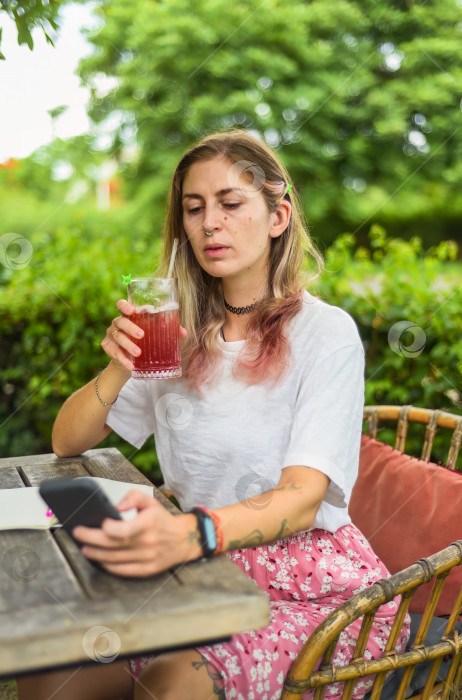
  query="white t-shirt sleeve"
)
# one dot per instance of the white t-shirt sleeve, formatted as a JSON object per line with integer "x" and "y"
{"x": 132, "y": 416}
{"x": 326, "y": 431}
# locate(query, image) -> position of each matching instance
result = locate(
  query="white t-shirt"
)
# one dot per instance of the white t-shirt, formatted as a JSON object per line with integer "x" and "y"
{"x": 234, "y": 442}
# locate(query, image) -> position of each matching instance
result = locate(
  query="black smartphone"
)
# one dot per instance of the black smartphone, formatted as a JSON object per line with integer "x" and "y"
{"x": 78, "y": 501}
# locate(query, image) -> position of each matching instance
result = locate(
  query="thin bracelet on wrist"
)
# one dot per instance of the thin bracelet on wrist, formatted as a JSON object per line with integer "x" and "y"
{"x": 105, "y": 403}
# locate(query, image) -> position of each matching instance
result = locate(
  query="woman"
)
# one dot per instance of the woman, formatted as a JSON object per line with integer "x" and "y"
{"x": 263, "y": 429}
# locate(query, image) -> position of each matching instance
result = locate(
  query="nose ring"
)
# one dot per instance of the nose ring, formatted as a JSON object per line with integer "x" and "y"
{"x": 207, "y": 233}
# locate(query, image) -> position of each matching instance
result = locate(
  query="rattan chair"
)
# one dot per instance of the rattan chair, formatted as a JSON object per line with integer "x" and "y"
{"x": 428, "y": 668}
{"x": 404, "y": 416}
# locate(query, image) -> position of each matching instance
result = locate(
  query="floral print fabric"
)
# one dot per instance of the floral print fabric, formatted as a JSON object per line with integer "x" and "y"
{"x": 306, "y": 576}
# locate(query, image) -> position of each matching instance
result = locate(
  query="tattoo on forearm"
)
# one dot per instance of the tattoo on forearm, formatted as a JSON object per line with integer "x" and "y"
{"x": 282, "y": 530}
{"x": 256, "y": 537}
{"x": 218, "y": 690}
{"x": 252, "y": 540}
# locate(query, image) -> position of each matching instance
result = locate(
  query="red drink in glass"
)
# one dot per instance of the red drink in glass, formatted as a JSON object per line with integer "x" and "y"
{"x": 160, "y": 345}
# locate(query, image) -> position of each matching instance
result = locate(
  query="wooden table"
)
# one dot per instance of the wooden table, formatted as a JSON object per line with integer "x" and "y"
{"x": 58, "y": 609}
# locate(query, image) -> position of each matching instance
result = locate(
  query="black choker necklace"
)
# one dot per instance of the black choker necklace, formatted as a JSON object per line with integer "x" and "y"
{"x": 242, "y": 309}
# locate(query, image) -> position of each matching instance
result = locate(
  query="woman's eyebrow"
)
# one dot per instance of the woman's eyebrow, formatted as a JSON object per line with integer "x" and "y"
{"x": 190, "y": 195}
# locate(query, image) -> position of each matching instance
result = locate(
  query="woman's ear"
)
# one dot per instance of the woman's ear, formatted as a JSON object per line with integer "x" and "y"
{"x": 281, "y": 218}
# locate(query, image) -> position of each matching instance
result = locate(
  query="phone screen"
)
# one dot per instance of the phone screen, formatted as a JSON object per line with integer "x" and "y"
{"x": 78, "y": 501}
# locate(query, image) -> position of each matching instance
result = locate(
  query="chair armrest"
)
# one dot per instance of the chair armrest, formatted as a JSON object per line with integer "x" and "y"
{"x": 321, "y": 644}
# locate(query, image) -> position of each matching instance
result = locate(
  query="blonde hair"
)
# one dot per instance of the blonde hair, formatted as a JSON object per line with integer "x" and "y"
{"x": 202, "y": 310}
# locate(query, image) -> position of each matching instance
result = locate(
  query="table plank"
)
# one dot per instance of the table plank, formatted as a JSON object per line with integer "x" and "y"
{"x": 100, "y": 584}
{"x": 33, "y": 571}
{"x": 32, "y": 460}
{"x": 161, "y": 622}
{"x": 10, "y": 478}
{"x": 220, "y": 573}
{"x": 112, "y": 464}
{"x": 34, "y": 475}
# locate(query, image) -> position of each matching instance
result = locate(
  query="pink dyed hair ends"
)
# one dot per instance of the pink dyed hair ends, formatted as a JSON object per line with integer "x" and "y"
{"x": 266, "y": 354}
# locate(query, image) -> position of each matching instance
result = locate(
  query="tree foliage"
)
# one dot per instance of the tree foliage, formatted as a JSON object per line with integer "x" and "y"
{"x": 361, "y": 98}
{"x": 407, "y": 303}
{"x": 61, "y": 273}
{"x": 31, "y": 14}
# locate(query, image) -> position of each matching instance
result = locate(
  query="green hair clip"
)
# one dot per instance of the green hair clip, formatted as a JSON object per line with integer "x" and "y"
{"x": 288, "y": 189}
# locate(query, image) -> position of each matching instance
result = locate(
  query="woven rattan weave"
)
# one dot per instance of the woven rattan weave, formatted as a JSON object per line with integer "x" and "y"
{"x": 321, "y": 644}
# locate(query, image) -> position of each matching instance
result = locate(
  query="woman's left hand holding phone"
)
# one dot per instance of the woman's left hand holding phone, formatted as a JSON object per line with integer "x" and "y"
{"x": 151, "y": 542}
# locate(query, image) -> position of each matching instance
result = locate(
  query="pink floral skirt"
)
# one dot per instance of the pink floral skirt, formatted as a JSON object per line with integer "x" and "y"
{"x": 306, "y": 576}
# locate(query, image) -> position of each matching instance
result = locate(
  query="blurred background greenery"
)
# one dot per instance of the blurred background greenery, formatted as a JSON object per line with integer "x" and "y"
{"x": 361, "y": 100}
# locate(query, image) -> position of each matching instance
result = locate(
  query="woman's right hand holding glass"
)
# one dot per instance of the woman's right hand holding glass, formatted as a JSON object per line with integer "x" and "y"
{"x": 118, "y": 342}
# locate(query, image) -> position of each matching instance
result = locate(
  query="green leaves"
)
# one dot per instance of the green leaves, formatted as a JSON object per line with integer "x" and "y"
{"x": 408, "y": 306}
{"x": 31, "y": 14}
{"x": 359, "y": 97}
{"x": 24, "y": 33}
{"x": 55, "y": 310}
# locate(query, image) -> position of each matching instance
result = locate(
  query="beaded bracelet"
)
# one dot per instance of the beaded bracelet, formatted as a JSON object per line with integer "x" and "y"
{"x": 218, "y": 530}
{"x": 105, "y": 403}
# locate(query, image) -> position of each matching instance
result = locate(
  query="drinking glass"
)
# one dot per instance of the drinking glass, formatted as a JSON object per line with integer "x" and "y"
{"x": 157, "y": 313}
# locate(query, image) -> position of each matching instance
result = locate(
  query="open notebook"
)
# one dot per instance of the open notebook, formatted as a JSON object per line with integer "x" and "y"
{"x": 25, "y": 508}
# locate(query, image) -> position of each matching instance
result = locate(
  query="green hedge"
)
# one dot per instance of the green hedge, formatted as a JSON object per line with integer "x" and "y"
{"x": 54, "y": 313}
{"x": 408, "y": 306}
{"x": 55, "y": 309}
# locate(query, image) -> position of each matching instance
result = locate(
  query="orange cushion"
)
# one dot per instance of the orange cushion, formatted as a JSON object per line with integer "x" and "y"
{"x": 408, "y": 509}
